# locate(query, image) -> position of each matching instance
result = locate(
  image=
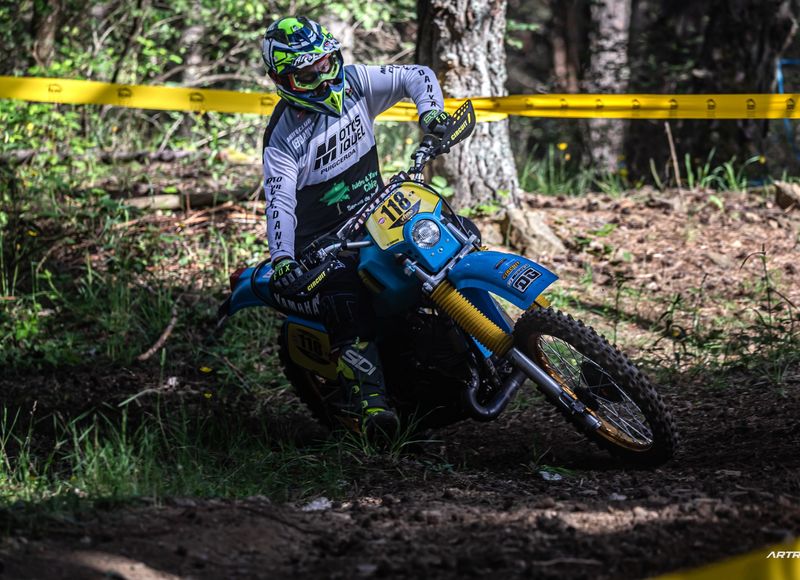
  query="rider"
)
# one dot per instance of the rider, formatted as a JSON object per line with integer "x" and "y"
{"x": 320, "y": 167}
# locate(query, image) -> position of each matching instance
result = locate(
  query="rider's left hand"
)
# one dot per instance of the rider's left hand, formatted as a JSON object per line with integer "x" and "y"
{"x": 435, "y": 122}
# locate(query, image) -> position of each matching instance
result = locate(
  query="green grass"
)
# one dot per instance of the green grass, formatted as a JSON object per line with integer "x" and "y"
{"x": 183, "y": 452}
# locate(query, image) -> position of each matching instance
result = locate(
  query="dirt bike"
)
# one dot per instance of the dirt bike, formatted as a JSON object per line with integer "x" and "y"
{"x": 449, "y": 350}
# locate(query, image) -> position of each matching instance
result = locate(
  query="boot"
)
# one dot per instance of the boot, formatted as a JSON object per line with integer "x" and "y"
{"x": 359, "y": 368}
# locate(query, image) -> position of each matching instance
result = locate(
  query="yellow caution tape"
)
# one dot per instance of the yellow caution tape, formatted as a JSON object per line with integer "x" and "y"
{"x": 780, "y": 562}
{"x": 749, "y": 106}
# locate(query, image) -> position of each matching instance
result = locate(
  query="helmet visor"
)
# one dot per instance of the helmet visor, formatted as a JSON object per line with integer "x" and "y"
{"x": 309, "y": 78}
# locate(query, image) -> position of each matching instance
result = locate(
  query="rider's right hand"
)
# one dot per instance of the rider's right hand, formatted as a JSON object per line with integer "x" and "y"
{"x": 286, "y": 272}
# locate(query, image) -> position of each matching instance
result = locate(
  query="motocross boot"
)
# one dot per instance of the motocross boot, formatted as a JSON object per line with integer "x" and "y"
{"x": 359, "y": 369}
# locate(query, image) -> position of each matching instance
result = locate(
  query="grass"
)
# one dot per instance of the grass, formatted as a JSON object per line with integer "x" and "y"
{"x": 182, "y": 452}
{"x": 556, "y": 173}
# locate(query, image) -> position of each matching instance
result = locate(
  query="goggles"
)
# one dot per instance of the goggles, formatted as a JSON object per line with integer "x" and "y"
{"x": 311, "y": 77}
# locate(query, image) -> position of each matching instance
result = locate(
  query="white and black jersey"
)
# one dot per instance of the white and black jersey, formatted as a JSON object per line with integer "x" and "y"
{"x": 319, "y": 169}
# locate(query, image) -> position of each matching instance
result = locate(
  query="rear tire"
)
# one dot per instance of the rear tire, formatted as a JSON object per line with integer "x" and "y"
{"x": 635, "y": 424}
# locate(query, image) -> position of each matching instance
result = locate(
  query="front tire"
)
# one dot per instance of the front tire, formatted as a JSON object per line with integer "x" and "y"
{"x": 635, "y": 425}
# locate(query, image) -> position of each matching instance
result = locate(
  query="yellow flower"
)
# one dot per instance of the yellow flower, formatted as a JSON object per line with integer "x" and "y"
{"x": 567, "y": 157}
{"x": 207, "y": 395}
{"x": 409, "y": 141}
{"x": 762, "y": 160}
{"x": 32, "y": 233}
{"x": 562, "y": 146}
{"x": 29, "y": 128}
{"x": 623, "y": 172}
{"x": 205, "y": 369}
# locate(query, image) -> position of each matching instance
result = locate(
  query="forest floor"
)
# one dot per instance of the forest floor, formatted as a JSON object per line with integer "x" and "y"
{"x": 703, "y": 296}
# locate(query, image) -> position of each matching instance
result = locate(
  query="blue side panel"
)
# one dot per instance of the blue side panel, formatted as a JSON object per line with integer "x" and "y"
{"x": 514, "y": 278}
{"x": 243, "y": 295}
{"x": 400, "y": 292}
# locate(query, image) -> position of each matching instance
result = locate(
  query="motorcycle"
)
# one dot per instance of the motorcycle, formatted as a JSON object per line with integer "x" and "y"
{"x": 450, "y": 351}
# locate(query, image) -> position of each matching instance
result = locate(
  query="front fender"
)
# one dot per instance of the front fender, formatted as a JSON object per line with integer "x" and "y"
{"x": 511, "y": 277}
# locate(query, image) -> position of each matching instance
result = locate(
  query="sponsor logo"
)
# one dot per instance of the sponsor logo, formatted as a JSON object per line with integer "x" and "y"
{"x": 336, "y": 194}
{"x": 355, "y": 360}
{"x": 326, "y": 153}
{"x": 784, "y": 554}
{"x": 316, "y": 281}
{"x": 510, "y": 269}
{"x": 306, "y": 59}
{"x": 309, "y": 346}
{"x": 340, "y": 145}
{"x": 525, "y": 278}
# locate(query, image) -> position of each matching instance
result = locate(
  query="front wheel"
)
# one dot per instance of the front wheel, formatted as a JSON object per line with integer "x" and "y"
{"x": 635, "y": 425}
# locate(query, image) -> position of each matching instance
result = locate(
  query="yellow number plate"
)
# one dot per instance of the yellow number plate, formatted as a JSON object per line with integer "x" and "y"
{"x": 386, "y": 223}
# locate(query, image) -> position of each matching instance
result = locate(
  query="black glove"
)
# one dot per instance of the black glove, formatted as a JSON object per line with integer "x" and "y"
{"x": 290, "y": 280}
{"x": 435, "y": 122}
{"x": 285, "y": 275}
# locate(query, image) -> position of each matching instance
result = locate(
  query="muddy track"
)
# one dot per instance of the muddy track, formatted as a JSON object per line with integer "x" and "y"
{"x": 475, "y": 503}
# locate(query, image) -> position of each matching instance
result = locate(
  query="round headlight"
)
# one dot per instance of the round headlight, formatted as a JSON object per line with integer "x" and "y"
{"x": 425, "y": 233}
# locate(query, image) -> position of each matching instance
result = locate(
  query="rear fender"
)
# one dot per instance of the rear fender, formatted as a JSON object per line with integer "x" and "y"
{"x": 250, "y": 287}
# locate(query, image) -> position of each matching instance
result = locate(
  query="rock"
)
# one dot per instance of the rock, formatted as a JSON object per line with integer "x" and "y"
{"x": 317, "y": 505}
{"x": 366, "y": 569}
{"x": 491, "y": 232}
{"x": 529, "y": 234}
{"x": 787, "y": 194}
{"x": 617, "y": 497}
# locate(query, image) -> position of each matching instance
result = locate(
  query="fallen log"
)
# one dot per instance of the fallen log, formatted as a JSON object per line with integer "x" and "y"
{"x": 187, "y": 201}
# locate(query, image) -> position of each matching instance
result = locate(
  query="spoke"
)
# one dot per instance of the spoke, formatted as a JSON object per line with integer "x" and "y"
{"x": 559, "y": 352}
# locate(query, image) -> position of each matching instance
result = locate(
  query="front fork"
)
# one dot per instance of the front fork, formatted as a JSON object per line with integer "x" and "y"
{"x": 477, "y": 324}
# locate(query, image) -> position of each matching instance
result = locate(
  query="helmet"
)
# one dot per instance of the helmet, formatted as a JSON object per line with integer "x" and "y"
{"x": 304, "y": 60}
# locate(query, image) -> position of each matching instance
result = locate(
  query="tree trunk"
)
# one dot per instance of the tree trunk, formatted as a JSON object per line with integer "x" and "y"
{"x": 46, "y": 21}
{"x": 192, "y": 39}
{"x": 463, "y": 42}
{"x": 609, "y": 72}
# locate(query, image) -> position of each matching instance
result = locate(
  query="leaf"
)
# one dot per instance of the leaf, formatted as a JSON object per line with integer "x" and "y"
{"x": 605, "y": 230}
{"x": 438, "y": 182}
{"x": 717, "y": 202}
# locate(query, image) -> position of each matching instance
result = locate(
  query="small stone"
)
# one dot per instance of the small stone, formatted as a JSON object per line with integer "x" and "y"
{"x": 86, "y": 540}
{"x": 366, "y": 570}
{"x": 617, "y": 497}
{"x": 318, "y": 505}
{"x": 432, "y": 516}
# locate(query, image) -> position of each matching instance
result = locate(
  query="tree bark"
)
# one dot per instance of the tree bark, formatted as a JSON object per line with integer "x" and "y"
{"x": 463, "y": 42}
{"x": 47, "y": 17}
{"x": 192, "y": 39}
{"x": 609, "y": 72}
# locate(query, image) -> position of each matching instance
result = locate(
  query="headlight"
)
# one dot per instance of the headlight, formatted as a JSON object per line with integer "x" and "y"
{"x": 425, "y": 233}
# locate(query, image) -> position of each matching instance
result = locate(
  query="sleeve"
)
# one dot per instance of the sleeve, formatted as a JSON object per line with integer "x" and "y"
{"x": 386, "y": 85}
{"x": 280, "y": 185}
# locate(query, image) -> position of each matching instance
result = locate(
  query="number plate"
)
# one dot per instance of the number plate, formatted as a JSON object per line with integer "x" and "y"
{"x": 386, "y": 223}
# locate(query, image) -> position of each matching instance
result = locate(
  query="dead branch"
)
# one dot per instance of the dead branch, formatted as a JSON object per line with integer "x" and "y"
{"x": 164, "y": 335}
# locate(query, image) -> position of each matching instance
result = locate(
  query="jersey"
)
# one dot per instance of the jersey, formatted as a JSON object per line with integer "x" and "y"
{"x": 320, "y": 169}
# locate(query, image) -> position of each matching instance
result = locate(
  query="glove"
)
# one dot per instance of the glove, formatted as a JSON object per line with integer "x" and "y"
{"x": 284, "y": 276}
{"x": 435, "y": 122}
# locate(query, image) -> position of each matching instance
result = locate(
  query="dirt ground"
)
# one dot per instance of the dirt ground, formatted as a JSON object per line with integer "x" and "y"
{"x": 482, "y": 499}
